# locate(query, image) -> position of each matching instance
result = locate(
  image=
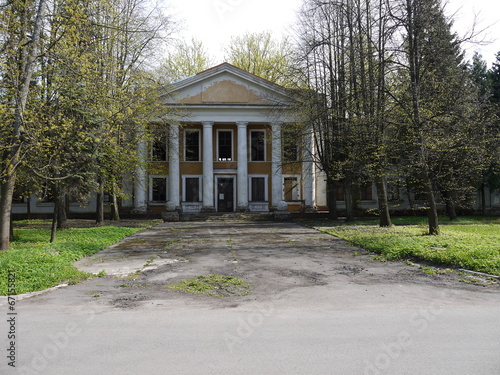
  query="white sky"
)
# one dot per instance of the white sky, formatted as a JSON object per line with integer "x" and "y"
{"x": 214, "y": 22}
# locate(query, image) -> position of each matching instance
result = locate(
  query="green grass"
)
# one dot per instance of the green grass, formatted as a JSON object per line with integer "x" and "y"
{"x": 39, "y": 264}
{"x": 473, "y": 243}
{"x": 213, "y": 285}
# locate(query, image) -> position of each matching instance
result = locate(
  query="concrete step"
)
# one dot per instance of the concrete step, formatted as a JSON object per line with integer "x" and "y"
{"x": 231, "y": 216}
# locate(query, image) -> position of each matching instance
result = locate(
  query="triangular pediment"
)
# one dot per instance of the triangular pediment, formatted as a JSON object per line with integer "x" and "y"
{"x": 226, "y": 84}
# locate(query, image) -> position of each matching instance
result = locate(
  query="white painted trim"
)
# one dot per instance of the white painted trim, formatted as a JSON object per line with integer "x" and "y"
{"x": 226, "y": 171}
{"x": 266, "y": 186}
{"x": 299, "y": 178}
{"x": 208, "y": 166}
{"x": 174, "y": 166}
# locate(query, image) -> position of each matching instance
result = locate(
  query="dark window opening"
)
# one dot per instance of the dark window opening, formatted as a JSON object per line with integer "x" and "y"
{"x": 225, "y": 146}
{"x": 159, "y": 149}
{"x": 159, "y": 189}
{"x": 290, "y": 146}
{"x": 366, "y": 192}
{"x": 192, "y": 143}
{"x": 258, "y": 189}
{"x": 192, "y": 189}
{"x": 257, "y": 145}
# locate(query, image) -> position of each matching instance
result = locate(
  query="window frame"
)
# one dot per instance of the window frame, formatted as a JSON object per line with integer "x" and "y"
{"x": 199, "y": 144}
{"x": 264, "y": 145}
{"x": 152, "y": 148}
{"x": 284, "y": 138}
{"x": 200, "y": 187}
{"x": 151, "y": 178}
{"x": 266, "y": 187}
{"x": 299, "y": 182}
{"x": 232, "y": 145}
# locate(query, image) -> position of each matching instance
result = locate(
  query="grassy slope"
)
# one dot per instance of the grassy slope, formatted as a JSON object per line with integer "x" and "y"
{"x": 473, "y": 244}
{"x": 39, "y": 264}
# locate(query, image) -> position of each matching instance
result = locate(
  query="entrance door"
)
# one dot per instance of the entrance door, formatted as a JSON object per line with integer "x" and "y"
{"x": 225, "y": 194}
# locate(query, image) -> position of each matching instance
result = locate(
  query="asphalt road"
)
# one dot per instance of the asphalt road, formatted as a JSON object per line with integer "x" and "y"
{"x": 318, "y": 307}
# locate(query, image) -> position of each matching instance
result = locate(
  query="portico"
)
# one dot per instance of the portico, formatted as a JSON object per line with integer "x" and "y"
{"x": 225, "y": 150}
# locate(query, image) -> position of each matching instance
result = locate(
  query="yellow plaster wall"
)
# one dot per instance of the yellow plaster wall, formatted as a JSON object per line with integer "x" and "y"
{"x": 158, "y": 167}
{"x": 225, "y": 91}
{"x": 191, "y": 167}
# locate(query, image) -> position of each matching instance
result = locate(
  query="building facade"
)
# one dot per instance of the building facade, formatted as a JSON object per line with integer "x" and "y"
{"x": 224, "y": 149}
{"x": 232, "y": 145}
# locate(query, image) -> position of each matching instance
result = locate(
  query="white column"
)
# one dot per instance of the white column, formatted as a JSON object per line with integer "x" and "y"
{"x": 242, "y": 186}
{"x": 140, "y": 183}
{"x": 173, "y": 166}
{"x": 208, "y": 167}
{"x": 277, "y": 172}
{"x": 308, "y": 170}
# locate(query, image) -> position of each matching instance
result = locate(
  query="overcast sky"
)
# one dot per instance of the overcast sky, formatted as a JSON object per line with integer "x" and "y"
{"x": 214, "y": 22}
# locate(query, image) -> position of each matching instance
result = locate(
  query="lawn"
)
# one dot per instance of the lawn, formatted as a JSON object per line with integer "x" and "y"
{"x": 472, "y": 242}
{"x": 39, "y": 264}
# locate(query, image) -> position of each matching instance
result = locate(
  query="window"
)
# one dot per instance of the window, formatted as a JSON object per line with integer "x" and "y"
{"x": 158, "y": 188}
{"x": 290, "y": 143}
{"x": 291, "y": 188}
{"x": 159, "y": 149}
{"x": 366, "y": 192}
{"x": 393, "y": 191}
{"x": 192, "y": 145}
{"x": 258, "y": 189}
{"x": 192, "y": 189}
{"x": 257, "y": 145}
{"x": 225, "y": 145}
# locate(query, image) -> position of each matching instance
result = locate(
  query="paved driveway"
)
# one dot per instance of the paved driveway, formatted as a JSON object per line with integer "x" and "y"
{"x": 317, "y": 306}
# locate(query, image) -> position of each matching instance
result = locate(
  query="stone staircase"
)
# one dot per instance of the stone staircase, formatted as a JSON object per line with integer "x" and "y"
{"x": 231, "y": 216}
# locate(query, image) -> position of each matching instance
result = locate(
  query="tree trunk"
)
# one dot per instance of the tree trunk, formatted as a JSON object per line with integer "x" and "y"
{"x": 55, "y": 219}
{"x": 349, "y": 202}
{"x": 331, "y": 191}
{"x": 62, "y": 218}
{"x": 383, "y": 204}
{"x": 114, "y": 206}
{"x": 11, "y": 234}
{"x": 483, "y": 199}
{"x": 449, "y": 201}
{"x": 432, "y": 213}
{"x": 100, "y": 203}
{"x": 7, "y": 192}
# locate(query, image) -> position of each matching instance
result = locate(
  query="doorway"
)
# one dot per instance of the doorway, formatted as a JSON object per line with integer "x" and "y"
{"x": 225, "y": 194}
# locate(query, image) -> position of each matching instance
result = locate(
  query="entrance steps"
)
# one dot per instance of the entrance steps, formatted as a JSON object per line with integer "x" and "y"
{"x": 231, "y": 216}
